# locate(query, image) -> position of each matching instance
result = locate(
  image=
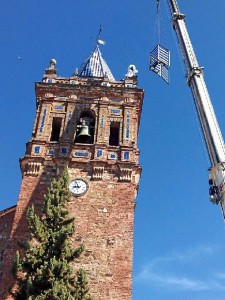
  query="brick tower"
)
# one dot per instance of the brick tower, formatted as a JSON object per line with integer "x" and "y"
{"x": 89, "y": 124}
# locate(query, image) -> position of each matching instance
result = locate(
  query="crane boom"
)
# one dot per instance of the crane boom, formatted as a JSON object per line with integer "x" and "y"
{"x": 210, "y": 128}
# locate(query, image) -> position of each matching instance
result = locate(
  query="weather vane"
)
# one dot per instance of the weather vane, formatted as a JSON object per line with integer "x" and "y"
{"x": 99, "y": 41}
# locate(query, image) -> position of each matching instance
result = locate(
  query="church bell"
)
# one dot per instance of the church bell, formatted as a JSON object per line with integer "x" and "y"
{"x": 84, "y": 135}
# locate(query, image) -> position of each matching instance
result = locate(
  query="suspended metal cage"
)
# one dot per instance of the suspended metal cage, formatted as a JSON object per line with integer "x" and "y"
{"x": 160, "y": 62}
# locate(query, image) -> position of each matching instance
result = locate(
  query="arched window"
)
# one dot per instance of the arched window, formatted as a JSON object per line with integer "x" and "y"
{"x": 85, "y": 128}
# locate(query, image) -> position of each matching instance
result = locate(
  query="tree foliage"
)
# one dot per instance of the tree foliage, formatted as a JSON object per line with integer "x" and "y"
{"x": 45, "y": 272}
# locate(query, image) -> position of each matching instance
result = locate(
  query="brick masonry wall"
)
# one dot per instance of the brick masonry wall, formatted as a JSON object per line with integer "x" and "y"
{"x": 31, "y": 192}
{"x": 104, "y": 221}
{"x": 6, "y": 221}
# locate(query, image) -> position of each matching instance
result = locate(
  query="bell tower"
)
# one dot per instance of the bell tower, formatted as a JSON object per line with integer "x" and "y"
{"x": 89, "y": 124}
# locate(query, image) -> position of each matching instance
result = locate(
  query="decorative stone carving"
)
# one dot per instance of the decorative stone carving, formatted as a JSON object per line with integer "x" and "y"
{"x": 125, "y": 174}
{"x": 97, "y": 172}
{"x": 32, "y": 169}
{"x": 132, "y": 71}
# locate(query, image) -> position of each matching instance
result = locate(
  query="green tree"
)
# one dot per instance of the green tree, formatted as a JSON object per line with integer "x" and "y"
{"x": 45, "y": 272}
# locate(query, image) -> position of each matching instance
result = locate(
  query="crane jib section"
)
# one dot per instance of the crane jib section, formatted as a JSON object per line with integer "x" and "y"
{"x": 210, "y": 128}
{"x": 207, "y": 117}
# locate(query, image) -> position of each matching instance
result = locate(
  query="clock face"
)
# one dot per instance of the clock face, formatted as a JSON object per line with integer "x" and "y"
{"x": 78, "y": 186}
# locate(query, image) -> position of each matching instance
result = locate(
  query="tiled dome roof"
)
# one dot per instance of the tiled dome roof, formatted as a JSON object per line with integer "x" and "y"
{"x": 95, "y": 66}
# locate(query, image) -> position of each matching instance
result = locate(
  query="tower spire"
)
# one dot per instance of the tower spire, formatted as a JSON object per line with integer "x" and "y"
{"x": 95, "y": 65}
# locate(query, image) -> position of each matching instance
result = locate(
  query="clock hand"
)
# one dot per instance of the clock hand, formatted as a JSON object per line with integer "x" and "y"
{"x": 76, "y": 185}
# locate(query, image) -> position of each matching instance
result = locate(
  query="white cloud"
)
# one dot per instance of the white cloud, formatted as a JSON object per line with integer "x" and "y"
{"x": 170, "y": 271}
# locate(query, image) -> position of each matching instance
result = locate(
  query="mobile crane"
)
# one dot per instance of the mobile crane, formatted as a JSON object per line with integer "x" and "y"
{"x": 210, "y": 128}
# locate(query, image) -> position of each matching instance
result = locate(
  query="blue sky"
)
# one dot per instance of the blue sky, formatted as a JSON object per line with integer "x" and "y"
{"x": 179, "y": 235}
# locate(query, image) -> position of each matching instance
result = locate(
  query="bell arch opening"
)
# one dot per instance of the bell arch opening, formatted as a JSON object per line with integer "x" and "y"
{"x": 85, "y": 128}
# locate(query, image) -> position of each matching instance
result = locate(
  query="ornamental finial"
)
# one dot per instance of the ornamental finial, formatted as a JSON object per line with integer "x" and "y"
{"x": 132, "y": 71}
{"x": 52, "y": 64}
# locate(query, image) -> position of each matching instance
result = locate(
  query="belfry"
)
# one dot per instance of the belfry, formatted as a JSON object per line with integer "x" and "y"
{"x": 87, "y": 123}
